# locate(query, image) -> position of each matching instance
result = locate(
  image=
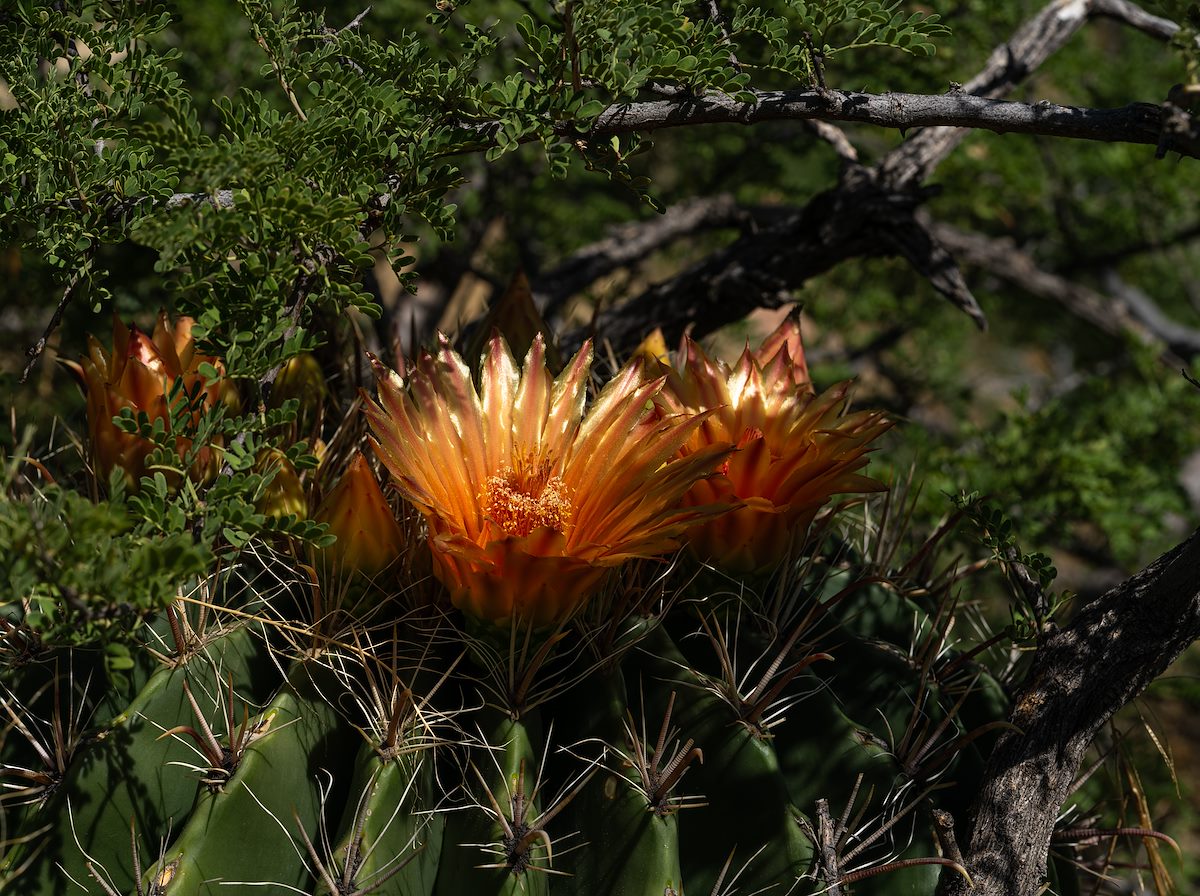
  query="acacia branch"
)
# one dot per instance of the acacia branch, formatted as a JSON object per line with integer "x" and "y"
{"x": 1183, "y": 340}
{"x": 871, "y": 211}
{"x": 859, "y": 218}
{"x": 631, "y": 243}
{"x": 1035, "y": 41}
{"x": 957, "y": 111}
{"x": 1119, "y": 310}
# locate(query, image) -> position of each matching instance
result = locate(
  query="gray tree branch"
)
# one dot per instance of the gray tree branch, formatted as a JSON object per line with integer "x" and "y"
{"x": 631, "y": 243}
{"x": 1135, "y": 123}
{"x": 1120, "y": 309}
{"x": 872, "y": 210}
{"x": 1010, "y": 64}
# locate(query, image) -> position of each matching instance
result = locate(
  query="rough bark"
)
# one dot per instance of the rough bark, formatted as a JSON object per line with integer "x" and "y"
{"x": 1134, "y": 123}
{"x": 1080, "y": 676}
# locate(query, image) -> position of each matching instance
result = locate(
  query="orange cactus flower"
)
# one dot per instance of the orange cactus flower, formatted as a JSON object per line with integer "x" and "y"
{"x": 138, "y": 374}
{"x": 528, "y": 500}
{"x": 795, "y": 449}
{"x": 368, "y": 537}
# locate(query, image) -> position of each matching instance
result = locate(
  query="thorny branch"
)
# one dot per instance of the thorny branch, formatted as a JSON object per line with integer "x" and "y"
{"x": 35, "y": 351}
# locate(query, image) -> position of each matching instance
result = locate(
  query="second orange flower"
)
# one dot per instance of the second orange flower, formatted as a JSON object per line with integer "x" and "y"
{"x": 795, "y": 448}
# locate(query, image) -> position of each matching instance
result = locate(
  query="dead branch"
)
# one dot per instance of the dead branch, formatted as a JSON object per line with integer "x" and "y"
{"x": 1123, "y": 310}
{"x": 859, "y": 218}
{"x": 632, "y": 243}
{"x": 872, "y": 211}
{"x": 1011, "y": 63}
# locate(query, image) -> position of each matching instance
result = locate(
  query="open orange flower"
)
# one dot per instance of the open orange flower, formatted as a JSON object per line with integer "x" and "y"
{"x": 529, "y": 502}
{"x": 138, "y": 374}
{"x": 795, "y": 449}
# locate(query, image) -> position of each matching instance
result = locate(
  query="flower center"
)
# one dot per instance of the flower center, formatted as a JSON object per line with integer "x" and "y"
{"x": 523, "y": 499}
{"x": 749, "y": 434}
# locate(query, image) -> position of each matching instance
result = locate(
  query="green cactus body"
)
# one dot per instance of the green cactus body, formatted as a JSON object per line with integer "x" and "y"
{"x": 247, "y": 831}
{"x": 473, "y": 837}
{"x": 364, "y": 772}
{"x": 627, "y": 847}
{"x": 389, "y": 822}
{"x": 826, "y": 765}
{"x": 747, "y": 812}
{"x": 130, "y": 775}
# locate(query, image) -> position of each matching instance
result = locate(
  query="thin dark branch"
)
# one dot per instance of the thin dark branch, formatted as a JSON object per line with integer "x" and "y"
{"x": 717, "y": 18}
{"x": 1090, "y": 261}
{"x": 859, "y": 218}
{"x": 1124, "y": 310}
{"x": 632, "y": 243}
{"x": 35, "y": 351}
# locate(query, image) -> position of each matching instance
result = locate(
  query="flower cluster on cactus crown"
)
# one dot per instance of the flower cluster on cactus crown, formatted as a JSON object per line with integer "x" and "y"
{"x": 530, "y": 500}
{"x": 138, "y": 373}
{"x": 795, "y": 448}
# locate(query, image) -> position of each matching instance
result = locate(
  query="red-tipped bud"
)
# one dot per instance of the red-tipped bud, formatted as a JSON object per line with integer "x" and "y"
{"x": 368, "y": 537}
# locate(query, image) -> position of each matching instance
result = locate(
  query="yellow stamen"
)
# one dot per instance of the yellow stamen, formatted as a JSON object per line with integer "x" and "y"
{"x": 523, "y": 499}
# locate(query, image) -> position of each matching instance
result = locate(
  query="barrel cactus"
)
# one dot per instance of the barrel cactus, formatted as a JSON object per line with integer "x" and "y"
{"x": 618, "y": 646}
